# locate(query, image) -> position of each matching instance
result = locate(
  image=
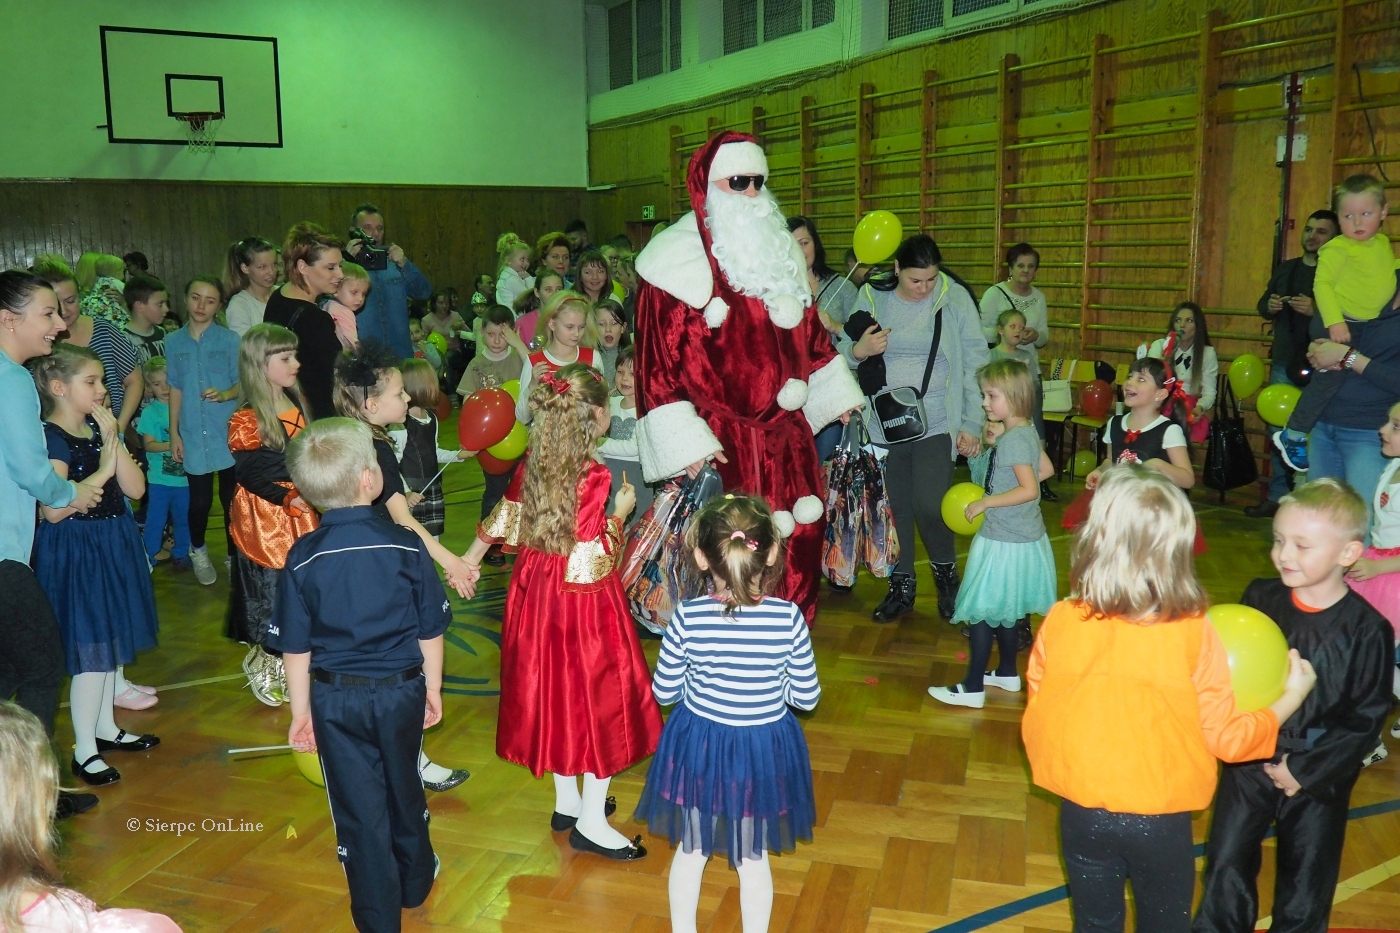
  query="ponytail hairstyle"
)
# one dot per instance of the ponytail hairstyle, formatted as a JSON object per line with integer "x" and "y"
{"x": 560, "y": 302}
{"x": 18, "y": 288}
{"x": 241, "y": 254}
{"x": 562, "y": 444}
{"x": 305, "y": 242}
{"x": 919, "y": 251}
{"x": 28, "y": 795}
{"x": 507, "y": 245}
{"x": 361, "y": 375}
{"x": 255, "y": 391}
{"x": 62, "y": 365}
{"x": 736, "y": 535}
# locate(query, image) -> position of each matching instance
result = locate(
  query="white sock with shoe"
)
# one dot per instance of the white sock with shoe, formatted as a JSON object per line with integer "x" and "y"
{"x": 593, "y": 819}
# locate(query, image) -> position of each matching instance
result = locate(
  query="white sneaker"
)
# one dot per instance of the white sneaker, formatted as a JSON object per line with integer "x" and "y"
{"x": 203, "y": 567}
{"x": 1380, "y": 754}
{"x": 1009, "y": 684}
{"x": 955, "y": 696}
{"x": 1395, "y": 729}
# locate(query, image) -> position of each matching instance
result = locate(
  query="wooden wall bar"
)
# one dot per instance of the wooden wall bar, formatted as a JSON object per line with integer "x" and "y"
{"x": 186, "y": 227}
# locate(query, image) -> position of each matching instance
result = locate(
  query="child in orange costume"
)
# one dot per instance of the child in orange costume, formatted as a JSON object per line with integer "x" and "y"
{"x": 1130, "y": 705}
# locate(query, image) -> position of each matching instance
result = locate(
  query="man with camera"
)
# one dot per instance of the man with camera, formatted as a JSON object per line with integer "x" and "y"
{"x": 393, "y": 281}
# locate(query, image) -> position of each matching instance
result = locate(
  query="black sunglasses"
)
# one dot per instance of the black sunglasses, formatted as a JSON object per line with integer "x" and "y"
{"x": 741, "y": 182}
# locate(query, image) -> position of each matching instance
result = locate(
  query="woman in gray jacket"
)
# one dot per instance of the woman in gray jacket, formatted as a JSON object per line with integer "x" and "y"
{"x": 919, "y": 472}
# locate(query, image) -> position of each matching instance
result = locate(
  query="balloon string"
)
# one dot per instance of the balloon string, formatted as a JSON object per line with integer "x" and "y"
{"x": 434, "y": 479}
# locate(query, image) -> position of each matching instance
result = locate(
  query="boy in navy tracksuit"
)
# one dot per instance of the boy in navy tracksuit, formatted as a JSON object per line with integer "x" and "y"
{"x": 359, "y": 618}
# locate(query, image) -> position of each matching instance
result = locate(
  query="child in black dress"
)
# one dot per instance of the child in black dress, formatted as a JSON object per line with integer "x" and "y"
{"x": 1304, "y": 793}
{"x": 420, "y": 457}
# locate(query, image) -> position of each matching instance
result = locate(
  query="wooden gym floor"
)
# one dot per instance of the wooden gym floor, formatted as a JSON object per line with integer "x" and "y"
{"x": 927, "y": 820}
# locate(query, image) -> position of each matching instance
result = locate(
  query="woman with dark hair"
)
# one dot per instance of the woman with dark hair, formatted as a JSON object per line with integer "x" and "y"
{"x": 1193, "y": 362}
{"x": 442, "y": 318}
{"x": 925, "y": 323}
{"x": 833, "y": 296}
{"x": 311, "y": 257}
{"x": 593, "y": 277}
{"x": 32, "y": 664}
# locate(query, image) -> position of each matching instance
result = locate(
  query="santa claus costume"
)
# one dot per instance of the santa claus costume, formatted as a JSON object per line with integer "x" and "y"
{"x": 732, "y": 359}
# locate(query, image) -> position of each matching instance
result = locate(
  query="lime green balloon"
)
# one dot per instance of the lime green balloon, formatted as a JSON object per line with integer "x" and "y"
{"x": 309, "y": 764}
{"x": 1257, "y": 651}
{"x": 513, "y": 445}
{"x": 1275, "y": 404}
{"x": 955, "y": 502}
{"x": 512, "y": 388}
{"x": 1247, "y": 374}
{"x": 1085, "y": 463}
{"x": 877, "y": 236}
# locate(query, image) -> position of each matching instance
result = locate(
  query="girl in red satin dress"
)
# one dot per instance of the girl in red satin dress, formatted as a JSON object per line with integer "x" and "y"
{"x": 575, "y": 688}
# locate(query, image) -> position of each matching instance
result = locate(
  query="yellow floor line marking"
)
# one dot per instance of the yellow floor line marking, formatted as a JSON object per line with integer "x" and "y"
{"x": 1353, "y": 886}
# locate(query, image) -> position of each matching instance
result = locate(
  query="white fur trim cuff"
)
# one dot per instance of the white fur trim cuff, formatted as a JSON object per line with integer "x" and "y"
{"x": 807, "y": 510}
{"x": 671, "y": 438}
{"x": 793, "y": 395}
{"x": 785, "y": 311}
{"x": 715, "y": 312}
{"x": 785, "y": 523}
{"x": 831, "y": 391}
{"x": 738, "y": 158}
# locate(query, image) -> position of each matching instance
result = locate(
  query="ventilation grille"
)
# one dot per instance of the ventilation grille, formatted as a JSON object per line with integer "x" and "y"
{"x": 910, "y": 16}
{"x": 620, "y": 46}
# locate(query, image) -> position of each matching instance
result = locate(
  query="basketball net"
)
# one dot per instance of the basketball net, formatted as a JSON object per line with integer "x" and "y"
{"x": 201, "y": 129}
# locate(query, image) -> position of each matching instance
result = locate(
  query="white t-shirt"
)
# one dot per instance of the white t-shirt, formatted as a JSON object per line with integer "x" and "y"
{"x": 244, "y": 312}
{"x": 1385, "y": 527}
{"x": 621, "y": 440}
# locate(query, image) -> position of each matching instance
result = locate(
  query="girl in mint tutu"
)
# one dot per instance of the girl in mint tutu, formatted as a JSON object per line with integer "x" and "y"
{"x": 731, "y": 774}
{"x": 1010, "y": 572}
{"x": 93, "y": 565}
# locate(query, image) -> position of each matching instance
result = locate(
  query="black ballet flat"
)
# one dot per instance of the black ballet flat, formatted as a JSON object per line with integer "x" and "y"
{"x": 559, "y": 822}
{"x": 142, "y": 743}
{"x": 107, "y": 775}
{"x": 458, "y": 776}
{"x": 628, "y": 853}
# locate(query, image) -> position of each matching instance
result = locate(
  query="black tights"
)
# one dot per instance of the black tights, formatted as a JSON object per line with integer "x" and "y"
{"x": 1104, "y": 850}
{"x": 202, "y": 502}
{"x": 982, "y": 638}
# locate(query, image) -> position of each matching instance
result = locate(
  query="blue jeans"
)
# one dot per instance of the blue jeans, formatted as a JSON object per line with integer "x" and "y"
{"x": 172, "y": 502}
{"x": 1280, "y": 476}
{"x": 1350, "y": 454}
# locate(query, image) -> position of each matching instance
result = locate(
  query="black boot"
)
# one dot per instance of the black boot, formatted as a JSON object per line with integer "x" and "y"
{"x": 1046, "y": 493}
{"x": 1024, "y": 636}
{"x": 945, "y": 577}
{"x": 900, "y": 599}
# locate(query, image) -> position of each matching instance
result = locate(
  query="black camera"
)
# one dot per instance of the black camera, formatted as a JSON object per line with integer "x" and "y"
{"x": 371, "y": 257}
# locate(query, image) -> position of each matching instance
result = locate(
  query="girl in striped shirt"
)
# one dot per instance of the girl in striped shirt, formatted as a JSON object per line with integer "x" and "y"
{"x": 731, "y": 774}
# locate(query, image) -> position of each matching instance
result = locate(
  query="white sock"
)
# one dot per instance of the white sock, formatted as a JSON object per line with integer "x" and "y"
{"x": 106, "y": 725}
{"x": 755, "y": 894}
{"x": 566, "y": 796}
{"x": 119, "y": 687}
{"x": 592, "y": 820}
{"x": 429, "y": 771}
{"x": 684, "y": 887}
{"x": 1395, "y": 684}
{"x": 85, "y": 695}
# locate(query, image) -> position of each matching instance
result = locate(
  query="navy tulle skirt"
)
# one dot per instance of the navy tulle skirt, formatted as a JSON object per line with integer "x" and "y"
{"x": 96, "y": 575}
{"x": 730, "y": 790}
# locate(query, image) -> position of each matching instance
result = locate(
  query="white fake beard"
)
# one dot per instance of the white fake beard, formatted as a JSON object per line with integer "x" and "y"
{"x": 753, "y": 247}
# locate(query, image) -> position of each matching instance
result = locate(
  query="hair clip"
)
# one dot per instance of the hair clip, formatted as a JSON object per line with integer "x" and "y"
{"x": 750, "y": 543}
{"x": 559, "y": 385}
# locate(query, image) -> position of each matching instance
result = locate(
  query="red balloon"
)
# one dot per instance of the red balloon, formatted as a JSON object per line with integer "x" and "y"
{"x": 486, "y": 418}
{"x": 495, "y": 465}
{"x": 444, "y": 406}
{"x": 1096, "y": 399}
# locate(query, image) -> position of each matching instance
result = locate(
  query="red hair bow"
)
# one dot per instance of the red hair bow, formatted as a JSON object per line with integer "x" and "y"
{"x": 560, "y": 386}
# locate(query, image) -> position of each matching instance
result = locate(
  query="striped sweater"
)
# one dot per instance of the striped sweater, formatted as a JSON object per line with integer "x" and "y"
{"x": 739, "y": 670}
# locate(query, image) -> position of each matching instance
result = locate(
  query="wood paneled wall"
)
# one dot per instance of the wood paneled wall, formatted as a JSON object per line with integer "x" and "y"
{"x": 186, "y": 228}
{"x": 1132, "y": 143}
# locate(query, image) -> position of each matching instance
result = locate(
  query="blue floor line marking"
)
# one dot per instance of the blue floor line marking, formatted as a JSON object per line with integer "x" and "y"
{"x": 1006, "y": 911}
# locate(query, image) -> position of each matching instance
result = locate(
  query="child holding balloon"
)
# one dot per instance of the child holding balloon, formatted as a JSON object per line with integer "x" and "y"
{"x": 369, "y": 388}
{"x": 576, "y": 693}
{"x": 1303, "y": 790}
{"x": 1010, "y": 568}
{"x": 1131, "y": 705}
{"x": 416, "y": 442}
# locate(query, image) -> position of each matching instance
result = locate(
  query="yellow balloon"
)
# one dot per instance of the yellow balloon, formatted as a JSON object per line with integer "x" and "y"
{"x": 513, "y": 445}
{"x": 955, "y": 502}
{"x": 309, "y": 764}
{"x": 512, "y": 388}
{"x": 1247, "y": 374}
{"x": 877, "y": 236}
{"x": 1258, "y": 654}
{"x": 1275, "y": 404}
{"x": 1084, "y": 463}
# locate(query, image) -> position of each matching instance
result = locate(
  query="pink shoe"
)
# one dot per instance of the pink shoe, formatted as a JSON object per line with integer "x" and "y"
{"x": 149, "y": 691}
{"x": 131, "y": 698}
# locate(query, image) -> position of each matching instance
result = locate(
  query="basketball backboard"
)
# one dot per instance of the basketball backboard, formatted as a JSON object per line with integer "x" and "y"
{"x": 150, "y": 76}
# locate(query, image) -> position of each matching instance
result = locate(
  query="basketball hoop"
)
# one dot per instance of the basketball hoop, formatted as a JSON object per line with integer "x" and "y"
{"x": 201, "y": 128}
